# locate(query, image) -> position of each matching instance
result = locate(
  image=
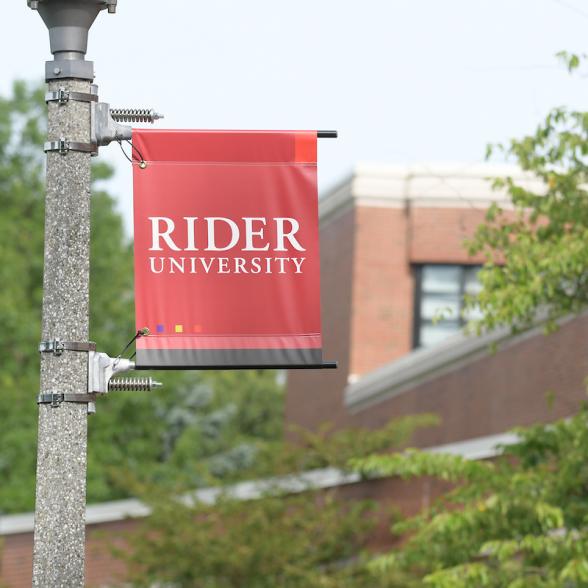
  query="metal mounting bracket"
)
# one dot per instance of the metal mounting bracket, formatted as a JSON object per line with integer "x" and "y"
{"x": 105, "y": 129}
{"x": 101, "y": 368}
{"x": 57, "y": 347}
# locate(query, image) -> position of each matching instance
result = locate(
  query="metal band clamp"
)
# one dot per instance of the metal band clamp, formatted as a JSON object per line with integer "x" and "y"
{"x": 63, "y": 96}
{"x": 63, "y": 146}
{"x": 58, "y": 347}
{"x": 55, "y": 399}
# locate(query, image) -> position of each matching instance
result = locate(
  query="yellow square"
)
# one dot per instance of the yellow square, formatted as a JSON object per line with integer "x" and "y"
{"x": 179, "y": 328}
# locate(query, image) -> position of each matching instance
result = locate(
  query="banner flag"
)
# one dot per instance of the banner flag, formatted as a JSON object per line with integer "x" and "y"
{"x": 227, "y": 268}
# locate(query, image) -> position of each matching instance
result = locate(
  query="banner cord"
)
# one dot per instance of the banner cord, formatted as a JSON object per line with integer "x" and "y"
{"x": 140, "y": 333}
{"x": 142, "y": 163}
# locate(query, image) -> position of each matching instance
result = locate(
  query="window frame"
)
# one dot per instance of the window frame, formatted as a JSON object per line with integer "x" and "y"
{"x": 417, "y": 269}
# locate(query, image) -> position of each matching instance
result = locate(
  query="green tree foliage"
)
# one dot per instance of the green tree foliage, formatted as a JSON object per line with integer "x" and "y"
{"x": 537, "y": 255}
{"x": 334, "y": 448}
{"x": 291, "y": 542}
{"x": 199, "y": 427}
{"x": 21, "y": 267}
{"x": 203, "y": 432}
{"x": 309, "y": 539}
{"x": 520, "y": 522}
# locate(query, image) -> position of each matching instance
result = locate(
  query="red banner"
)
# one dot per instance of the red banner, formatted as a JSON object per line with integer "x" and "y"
{"x": 227, "y": 249}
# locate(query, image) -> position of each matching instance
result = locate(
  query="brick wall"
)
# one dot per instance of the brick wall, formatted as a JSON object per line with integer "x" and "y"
{"x": 381, "y": 319}
{"x": 495, "y": 392}
{"x": 437, "y": 235}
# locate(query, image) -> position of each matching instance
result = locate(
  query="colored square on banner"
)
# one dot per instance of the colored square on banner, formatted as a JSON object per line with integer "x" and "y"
{"x": 227, "y": 249}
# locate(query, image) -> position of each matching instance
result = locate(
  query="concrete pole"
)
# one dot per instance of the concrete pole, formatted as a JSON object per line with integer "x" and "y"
{"x": 59, "y": 540}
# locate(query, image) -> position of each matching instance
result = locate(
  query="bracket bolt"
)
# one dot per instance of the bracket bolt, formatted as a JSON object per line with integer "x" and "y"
{"x": 133, "y": 384}
{"x": 33, "y": 4}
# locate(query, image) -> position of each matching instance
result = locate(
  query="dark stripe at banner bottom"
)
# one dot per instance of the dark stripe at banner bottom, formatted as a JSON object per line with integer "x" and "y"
{"x": 227, "y": 358}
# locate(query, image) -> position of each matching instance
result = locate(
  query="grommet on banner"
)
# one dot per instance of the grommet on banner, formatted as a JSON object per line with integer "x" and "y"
{"x": 142, "y": 162}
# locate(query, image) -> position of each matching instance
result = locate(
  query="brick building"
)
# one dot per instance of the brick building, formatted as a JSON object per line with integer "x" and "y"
{"x": 392, "y": 257}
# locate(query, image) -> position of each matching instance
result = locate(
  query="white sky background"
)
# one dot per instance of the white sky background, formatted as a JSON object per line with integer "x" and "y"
{"x": 401, "y": 80}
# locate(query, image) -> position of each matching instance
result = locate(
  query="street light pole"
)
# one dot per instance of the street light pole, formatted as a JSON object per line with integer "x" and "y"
{"x": 59, "y": 540}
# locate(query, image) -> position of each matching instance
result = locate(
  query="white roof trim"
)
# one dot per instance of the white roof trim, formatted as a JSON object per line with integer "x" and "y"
{"x": 478, "y": 448}
{"x": 123, "y": 509}
{"x": 434, "y": 185}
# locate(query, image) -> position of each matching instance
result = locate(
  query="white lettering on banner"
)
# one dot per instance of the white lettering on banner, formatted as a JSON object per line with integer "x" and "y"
{"x": 294, "y": 226}
{"x": 250, "y": 233}
{"x": 191, "y": 232}
{"x": 157, "y": 234}
{"x": 226, "y": 265}
{"x": 211, "y": 224}
{"x": 164, "y": 231}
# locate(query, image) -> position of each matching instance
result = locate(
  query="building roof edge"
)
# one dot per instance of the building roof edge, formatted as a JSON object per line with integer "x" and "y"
{"x": 431, "y": 185}
{"x": 475, "y": 448}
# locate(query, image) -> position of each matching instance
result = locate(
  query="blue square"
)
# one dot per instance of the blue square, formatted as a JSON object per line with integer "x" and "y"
{"x": 160, "y": 328}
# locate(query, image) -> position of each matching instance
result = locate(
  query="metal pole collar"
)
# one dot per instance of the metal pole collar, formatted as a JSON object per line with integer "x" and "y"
{"x": 55, "y": 399}
{"x": 58, "y": 347}
{"x": 63, "y": 146}
{"x": 62, "y": 96}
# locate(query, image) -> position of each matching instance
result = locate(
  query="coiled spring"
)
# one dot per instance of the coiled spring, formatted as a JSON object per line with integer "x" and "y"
{"x": 132, "y": 384}
{"x": 144, "y": 115}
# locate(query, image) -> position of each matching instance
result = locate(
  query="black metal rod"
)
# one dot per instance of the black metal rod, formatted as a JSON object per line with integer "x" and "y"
{"x": 327, "y": 134}
{"x": 326, "y": 365}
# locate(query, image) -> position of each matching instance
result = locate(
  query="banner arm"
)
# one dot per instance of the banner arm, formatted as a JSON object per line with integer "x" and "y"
{"x": 326, "y": 365}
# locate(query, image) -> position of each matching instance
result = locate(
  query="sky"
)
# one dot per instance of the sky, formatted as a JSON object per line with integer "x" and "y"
{"x": 403, "y": 81}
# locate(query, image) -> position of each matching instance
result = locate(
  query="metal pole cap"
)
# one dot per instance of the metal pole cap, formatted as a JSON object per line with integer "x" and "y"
{"x": 68, "y": 22}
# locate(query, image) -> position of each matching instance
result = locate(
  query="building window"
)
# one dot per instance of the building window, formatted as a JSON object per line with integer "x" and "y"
{"x": 439, "y": 301}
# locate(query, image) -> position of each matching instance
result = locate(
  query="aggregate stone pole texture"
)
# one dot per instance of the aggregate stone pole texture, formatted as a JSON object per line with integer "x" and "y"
{"x": 58, "y": 558}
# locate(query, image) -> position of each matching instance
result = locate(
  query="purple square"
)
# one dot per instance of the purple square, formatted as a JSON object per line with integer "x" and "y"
{"x": 160, "y": 329}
